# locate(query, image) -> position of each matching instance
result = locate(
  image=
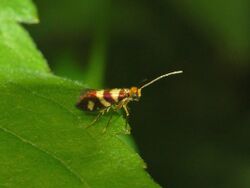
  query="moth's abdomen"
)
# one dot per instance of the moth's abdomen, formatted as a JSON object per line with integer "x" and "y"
{"x": 94, "y": 100}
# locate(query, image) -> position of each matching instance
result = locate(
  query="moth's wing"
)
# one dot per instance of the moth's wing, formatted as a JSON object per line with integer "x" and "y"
{"x": 84, "y": 97}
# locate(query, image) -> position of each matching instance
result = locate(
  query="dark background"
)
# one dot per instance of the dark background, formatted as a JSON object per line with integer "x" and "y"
{"x": 193, "y": 130}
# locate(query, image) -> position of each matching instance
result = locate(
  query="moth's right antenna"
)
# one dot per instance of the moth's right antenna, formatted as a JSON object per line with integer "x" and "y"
{"x": 160, "y": 77}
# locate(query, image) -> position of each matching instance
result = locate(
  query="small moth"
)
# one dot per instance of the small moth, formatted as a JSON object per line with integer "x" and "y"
{"x": 105, "y": 99}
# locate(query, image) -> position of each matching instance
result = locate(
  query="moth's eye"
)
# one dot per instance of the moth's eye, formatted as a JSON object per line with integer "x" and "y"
{"x": 134, "y": 95}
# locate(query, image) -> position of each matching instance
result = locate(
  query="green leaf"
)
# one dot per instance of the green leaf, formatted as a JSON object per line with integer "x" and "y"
{"x": 18, "y": 10}
{"x": 17, "y": 50}
{"x": 43, "y": 139}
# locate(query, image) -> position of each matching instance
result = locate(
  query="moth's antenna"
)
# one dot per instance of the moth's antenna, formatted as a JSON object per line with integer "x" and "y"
{"x": 160, "y": 77}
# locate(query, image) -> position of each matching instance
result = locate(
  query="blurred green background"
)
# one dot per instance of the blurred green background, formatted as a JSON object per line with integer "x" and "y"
{"x": 193, "y": 130}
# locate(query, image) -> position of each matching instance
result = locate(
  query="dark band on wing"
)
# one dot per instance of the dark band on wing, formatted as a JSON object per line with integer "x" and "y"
{"x": 108, "y": 97}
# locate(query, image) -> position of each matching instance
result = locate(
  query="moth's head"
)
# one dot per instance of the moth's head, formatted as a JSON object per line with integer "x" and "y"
{"x": 135, "y": 93}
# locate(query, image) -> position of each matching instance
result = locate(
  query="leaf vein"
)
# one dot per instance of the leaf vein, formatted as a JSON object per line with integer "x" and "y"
{"x": 63, "y": 163}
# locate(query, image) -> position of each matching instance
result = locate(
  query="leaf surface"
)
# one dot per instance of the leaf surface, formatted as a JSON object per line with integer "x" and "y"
{"x": 18, "y": 10}
{"x": 43, "y": 139}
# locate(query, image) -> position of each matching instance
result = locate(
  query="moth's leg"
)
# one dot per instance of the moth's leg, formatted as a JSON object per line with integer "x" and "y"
{"x": 126, "y": 117}
{"x": 126, "y": 109}
{"x": 123, "y": 104}
{"x": 106, "y": 127}
{"x": 95, "y": 120}
{"x": 102, "y": 112}
{"x": 120, "y": 104}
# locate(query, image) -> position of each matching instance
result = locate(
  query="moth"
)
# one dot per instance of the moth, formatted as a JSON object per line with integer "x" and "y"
{"x": 103, "y": 100}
